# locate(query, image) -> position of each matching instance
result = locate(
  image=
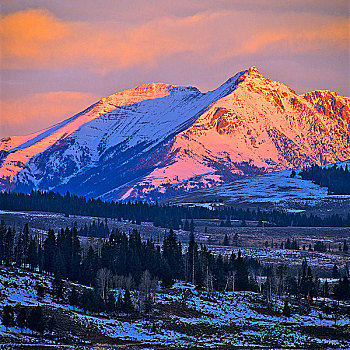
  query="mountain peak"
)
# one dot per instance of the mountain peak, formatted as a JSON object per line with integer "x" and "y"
{"x": 253, "y": 73}
{"x": 155, "y": 140}
{"x": 253, "y": 70}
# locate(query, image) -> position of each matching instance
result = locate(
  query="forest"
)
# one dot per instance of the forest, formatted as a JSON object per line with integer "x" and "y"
{"x": 167, "y": 216}
{"x": 336, "y": 179}
{"x": 125, "y": 262}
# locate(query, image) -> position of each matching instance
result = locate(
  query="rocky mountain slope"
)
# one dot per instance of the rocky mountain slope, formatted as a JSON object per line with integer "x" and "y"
{"x": 158, "y": 140}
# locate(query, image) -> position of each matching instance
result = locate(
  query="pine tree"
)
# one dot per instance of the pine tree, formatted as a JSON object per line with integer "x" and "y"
{"x": 32, "y": 254}
{"x": 85, "y": 300}
{"x": 40, "y": 290}
{"x": 75, "y": 255}
{"x": 36, "y": 320}
{"x": 51, "y": 323}
{"x": 7, "y": 316}
{"x": 226, "y": 241}
{"x": 57, "y": 288}
{"x": 325, "y": 289}
{"x": 335, "y": 273}
{"x": 2, "y": 241}
{"x": 90, "y": 266}
{"x": 186, "y": 226}
{"x": 192, "y": 255}
{"x": 8, "y": 246}
{"x": 192, "y": 226}
{"x": 219, "y": 273}
{"x": 119, "y": 304}
{"x": 342, "y": 289}
{"x": 50, "y": 250}
{"x": 127, "y": 305}
{"x": 286, "y": 309}
{"x": 111, "y": 303}
{"x": 21, "y": 319}
{"x": 74, "y": 297}
{"x": 172, "y": 254}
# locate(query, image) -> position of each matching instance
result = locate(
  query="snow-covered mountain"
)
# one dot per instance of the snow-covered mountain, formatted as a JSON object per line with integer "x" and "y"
{"x": 157, "y": 140}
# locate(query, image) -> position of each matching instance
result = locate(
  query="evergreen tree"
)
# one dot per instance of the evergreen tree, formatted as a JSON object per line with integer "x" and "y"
{"x": 75, "y": 256}
{"x": 85, "y": 300}
{"x": 286, "y": 309}
{"x": 74, "y": 297}
{"x": 192, "y": 257}
{"x": 335, "y": 273}
{"x": 127, "y": 305}
{"x": 119, "y": 304}
{"x": 57, "y": 288}
{"x": 192, "y": 227}
{"x": 226, "y": 241}
{"x": 40, "y": 290}
{"x": 111, "y": 303}
{"x": 2, "y": 241}
{"x": 325, "y": 289}
{"x": 241, "y": 278}
{"x": 342, "y": 289}
{"x": 51, "y": 323}
{"x": 166, "y": 275}
{"x": 32, "y": 254}
{"x": 7, "y": 316}
{"x": 50, "y": 251}
{"x": 219, "y": 273}
{"x": 21, "y": 319}
{"x": 36, "y": 320}
{"x": 186, "y": 226}
{"x": 172, "y": 254}
{"x": 8, "y": 246}
{"x": 89, "y": 267}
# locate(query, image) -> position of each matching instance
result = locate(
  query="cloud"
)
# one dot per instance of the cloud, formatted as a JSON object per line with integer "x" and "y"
{"x": 36, "y": 39}
{"x": 38, "y": 111}
{"x": 51, "y": 43}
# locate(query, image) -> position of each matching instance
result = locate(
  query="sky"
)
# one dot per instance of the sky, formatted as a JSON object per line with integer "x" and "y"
{"x": 60, "y": 56}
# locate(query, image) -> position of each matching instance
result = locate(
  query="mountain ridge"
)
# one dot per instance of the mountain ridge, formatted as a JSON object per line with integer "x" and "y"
{"x": 156, "y": 140}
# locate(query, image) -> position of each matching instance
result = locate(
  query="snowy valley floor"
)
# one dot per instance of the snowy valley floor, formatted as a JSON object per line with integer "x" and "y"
{"x": 182, "y": 318}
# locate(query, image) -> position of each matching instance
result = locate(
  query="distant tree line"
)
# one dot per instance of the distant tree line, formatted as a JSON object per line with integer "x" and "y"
{"x": 97, "y": 229}
{"x": 336, "y": 179}
{"x": 167, "y": 216}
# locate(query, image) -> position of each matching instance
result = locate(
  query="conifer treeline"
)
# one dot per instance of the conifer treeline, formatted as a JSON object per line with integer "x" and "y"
{"x": 122, "y": 255}
{"x": 336, "y": 179}
{"x": 167, "y": 216}
{"x": 126, "y": 262}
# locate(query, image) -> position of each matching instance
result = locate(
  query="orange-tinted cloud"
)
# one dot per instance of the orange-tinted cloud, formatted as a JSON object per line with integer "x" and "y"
{"x": 36, "y": 39}
{"x": 27, "y": 33}
{"x": 296, "y": 40}
{"x": 38, "y": 111}
{"x": 72, "y": 45}
{"x": 51, "y": 43}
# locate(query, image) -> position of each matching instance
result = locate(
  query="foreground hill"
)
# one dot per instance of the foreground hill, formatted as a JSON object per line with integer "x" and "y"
{"x": 281, "y": 190}
{"x": 158, "y": 140}
{"x": 182, "y": 318}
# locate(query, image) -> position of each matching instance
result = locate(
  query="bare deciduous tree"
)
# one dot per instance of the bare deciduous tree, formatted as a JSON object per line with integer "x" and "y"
{"x": 104, "y": 282}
